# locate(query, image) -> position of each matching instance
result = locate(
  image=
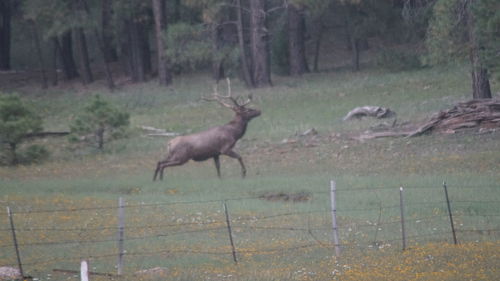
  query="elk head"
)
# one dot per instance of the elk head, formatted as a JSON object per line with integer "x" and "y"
{"x": 238, "y": 104}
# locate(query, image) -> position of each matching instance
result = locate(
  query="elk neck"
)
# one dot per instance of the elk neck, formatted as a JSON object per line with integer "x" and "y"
{"x": 238, "y": 126}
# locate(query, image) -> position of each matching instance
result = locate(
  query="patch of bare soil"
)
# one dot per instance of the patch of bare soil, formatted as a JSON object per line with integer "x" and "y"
{"x": 286, "y": 197}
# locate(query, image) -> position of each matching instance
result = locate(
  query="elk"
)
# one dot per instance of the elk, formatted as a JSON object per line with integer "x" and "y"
{"x": 215, "y": 141}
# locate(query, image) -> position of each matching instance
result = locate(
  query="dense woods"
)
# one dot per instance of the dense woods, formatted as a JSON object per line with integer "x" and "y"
{"x": 92, "y": 40}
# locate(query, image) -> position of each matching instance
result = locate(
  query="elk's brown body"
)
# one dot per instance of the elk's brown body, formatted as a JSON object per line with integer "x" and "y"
{"x": 213, "y": 142}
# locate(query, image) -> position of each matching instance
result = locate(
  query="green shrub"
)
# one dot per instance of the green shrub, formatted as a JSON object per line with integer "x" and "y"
{"x": 398, "y": 60}
{"x": 17, "y": 121}
{"x": 99, "y": 122}
{"x": 33, "y": 154}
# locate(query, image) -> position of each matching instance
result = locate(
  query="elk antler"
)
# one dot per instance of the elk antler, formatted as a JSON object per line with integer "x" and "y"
{"x": 220, "y": 98}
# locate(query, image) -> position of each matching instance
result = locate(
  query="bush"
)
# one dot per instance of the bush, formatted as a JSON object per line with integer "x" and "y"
{"x": 33, "y": 154}
{"x": 398, "y": 60}
{"x": 99, "y": 122}
{"x": 17, "y": 121}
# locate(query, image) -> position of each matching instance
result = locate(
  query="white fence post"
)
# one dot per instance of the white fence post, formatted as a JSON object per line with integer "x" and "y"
{"x": 84, "y": 271}
{"x": 402, "y": 207}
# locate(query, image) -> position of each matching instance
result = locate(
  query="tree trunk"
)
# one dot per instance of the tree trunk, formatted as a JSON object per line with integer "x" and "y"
{"x": 134, "y": 52}
{"x": 107, "y": 70}
{"x": 259, "y": 44}
{"x": 102, "y": 48}
{"x": 247, "y": 68}
{"x": 38, "y": 48}
{"x": 164, "y": 76}
{"x": 224, "y": 35}
{"x": 125, "y": 55}
{"x": 355, "y": 53}
{"x": 81, "y": 45}
{"x": 296, "y": 40}
{"x": 83, "y": 55}
{"x": 53, "y": 68}
{"x": 5, "y": 32}
{"x": 353, "y": 42}
{"x": 176, "y": 15}
{"x": 144, "y": 47}
{"x": 107, "y": 33}
{"x": 217, "y": 62}
{"x": 317, "y": 44}
{"x": 479, "y": 73}
{"x": 100, "y": 138}
{"x": 13, "y": 154}
{"x": 67, "y": 59}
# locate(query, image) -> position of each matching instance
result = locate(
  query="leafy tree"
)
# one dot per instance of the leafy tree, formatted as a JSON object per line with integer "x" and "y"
{"x": 99, "y": 122}
{"x": 17, "y": 121}
{"x": 457, "y": 30}
{"x": 296, "y": 25}
{"x": 5, "y": 33}
{"x": 488, "y": 27}
{"x": 189, "y": 45}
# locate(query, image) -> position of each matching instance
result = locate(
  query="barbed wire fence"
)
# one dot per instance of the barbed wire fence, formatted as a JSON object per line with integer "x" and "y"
{"x": 128, "y": 237}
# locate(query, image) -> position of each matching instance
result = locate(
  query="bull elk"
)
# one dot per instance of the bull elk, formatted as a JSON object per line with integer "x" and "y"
{"x": 215, "y": 141}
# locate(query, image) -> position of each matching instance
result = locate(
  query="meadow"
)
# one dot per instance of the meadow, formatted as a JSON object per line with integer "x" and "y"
{"x": 65, "y": 209}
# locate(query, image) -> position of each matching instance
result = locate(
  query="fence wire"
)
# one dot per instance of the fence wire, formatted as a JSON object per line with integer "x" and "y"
{"x": 60, "y": 237}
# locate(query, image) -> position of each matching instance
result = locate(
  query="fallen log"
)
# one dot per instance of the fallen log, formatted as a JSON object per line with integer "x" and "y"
{"x": 369, "y": 110}
{"x": 155, "y": 132}
{"x": 474, "y": 113}
{"x": 47, "y": 134}
{"x": 479, "y": 113}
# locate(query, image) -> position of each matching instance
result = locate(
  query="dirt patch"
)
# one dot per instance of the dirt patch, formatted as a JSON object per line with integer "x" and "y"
{"x": 286, "y": 197}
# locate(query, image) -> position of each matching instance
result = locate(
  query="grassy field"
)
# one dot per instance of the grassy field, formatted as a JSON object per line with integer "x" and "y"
{"x": 276, "y": 237}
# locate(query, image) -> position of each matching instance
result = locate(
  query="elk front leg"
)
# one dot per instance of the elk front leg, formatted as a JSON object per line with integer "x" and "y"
{"x": 217, "y": 165}
{"x": 233, "y": 154}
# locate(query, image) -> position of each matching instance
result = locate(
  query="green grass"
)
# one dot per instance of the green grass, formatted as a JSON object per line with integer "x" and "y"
{"x": 368, "y": 176}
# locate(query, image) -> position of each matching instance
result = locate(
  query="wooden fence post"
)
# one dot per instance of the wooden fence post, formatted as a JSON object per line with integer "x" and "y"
{"x": 333, "y": 200}
{"x": 228, "y": 222}
{"x": 121, "y": 227}
{"x": 450, "y": 214}
{"x": 84, "y": 271}
{"x": 14, "y": 238}
{"x": 401, "y": 206}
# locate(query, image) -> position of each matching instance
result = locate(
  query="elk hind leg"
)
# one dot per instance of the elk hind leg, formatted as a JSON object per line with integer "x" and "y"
{"x": 163, "y": 164}
{"x": 157, "y": 170}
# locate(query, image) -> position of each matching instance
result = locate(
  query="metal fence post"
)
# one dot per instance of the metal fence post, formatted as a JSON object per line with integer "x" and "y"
{"x": 230, "y": 231}
{"x": 121, "y": 230}
{"x": 333, "y": 199}
{"x": 450, "y": 214}
{"x": 14, "y": 238}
